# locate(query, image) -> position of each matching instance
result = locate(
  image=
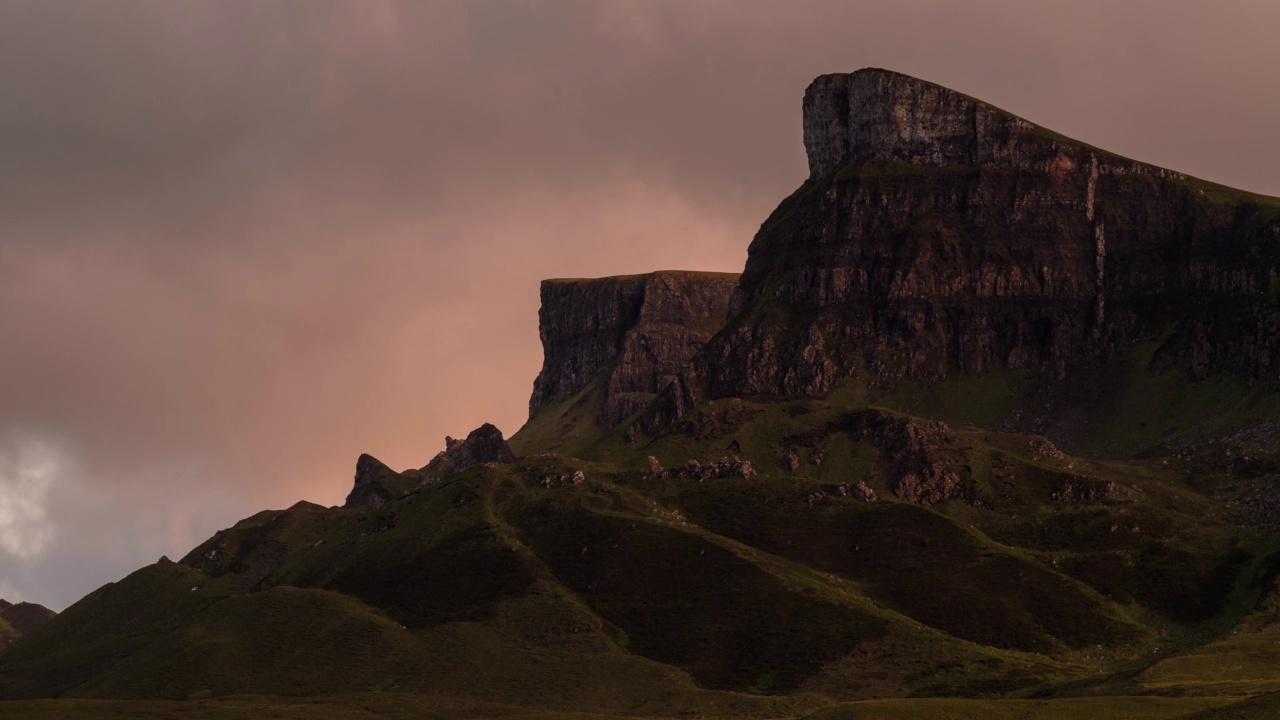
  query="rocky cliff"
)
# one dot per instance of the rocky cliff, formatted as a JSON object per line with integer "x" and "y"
{"x": 632, "y": 334}
{"x": 938, "y": 234}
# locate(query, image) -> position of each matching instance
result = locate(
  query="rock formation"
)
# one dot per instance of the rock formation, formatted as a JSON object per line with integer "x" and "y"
{"x": 701, "y": 472}
{"x": 376, "y": 484}
{"x": 634, "y": 334}
{"x": 938, "y": 234}
{"x": 370, "y": 489}
{"x": 485, "y": 444}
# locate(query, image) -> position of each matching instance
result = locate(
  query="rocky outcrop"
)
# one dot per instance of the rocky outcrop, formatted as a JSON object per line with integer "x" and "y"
{"x": 376, "y": 484}
{"x": 919, "y": 459}
{"x": 859, "y": 491}
{"x": 370, "y": 489}
{"x": 917, "y": 454}
{"x": 633, "y": 334}
{"x": 1076, "y": 490}
{"x": 938, "y": 234}
{"x": 701, "y": 472}
{"x": 483, "y": 445}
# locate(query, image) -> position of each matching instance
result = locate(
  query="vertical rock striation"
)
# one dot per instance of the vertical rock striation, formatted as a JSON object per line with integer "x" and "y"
{"x": 634, "y": 334}
{"x": 939, "y": 234}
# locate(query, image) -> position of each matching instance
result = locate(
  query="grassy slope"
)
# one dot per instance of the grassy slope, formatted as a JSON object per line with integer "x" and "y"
{"x": 416, "y": 707}
{"x": 565, "y": 428}
{"x": 628, "y": 595}
{"x": 1129, "y": 410}
{"x": 635, "y": 596}
{"x": 7, "y": 633}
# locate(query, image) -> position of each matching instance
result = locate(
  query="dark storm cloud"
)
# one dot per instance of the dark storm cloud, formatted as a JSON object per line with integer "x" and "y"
{"x": 241, "y": 243}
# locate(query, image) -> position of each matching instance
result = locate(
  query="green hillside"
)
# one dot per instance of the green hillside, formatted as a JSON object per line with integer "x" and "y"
{"x": 1041, "y": 575}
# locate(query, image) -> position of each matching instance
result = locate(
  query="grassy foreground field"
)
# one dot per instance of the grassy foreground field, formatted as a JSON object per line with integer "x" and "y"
{"x": 395, "y": 706}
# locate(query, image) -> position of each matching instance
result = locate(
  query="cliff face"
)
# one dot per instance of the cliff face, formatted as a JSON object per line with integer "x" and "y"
{"x": 635, "y": 333}
{"x": 938, "y": 234}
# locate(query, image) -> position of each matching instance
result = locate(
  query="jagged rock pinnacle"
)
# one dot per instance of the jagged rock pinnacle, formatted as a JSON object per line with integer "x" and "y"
{"x": 485, "y": 444}
{"x": 369, "y": 491}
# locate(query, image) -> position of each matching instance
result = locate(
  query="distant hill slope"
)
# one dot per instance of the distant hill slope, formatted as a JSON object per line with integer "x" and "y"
{"x": 990, "y": 414}
{"x": 21, "y": 619}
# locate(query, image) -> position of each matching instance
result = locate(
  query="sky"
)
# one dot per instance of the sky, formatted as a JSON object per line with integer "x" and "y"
{"x": 242, "y": 243}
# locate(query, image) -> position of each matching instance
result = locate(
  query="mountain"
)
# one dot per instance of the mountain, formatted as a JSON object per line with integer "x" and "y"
{"x": 987, "y": 426}
{"x": 940, "y": 236}
{"x": 20, "y": 619}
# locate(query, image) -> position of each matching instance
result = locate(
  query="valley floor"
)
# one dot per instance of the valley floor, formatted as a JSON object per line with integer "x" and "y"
{"x": 394, "y": 706}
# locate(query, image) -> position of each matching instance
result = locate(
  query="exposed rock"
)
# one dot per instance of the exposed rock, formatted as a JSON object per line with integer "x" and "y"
{"x": 1075, "y": 490}
{"x": 881, "y": 115}
{"x": 917, "y": 451}
{"x": 938, "y": 234}
{"x": 370, "y": 490}
{"x": 1041, "y": 447}
{"x": 655, "y": 467}
{"x": 817, "y": 456}
{"x": 485, "y": 444}
{"x": 789, "y": 461}
{"x": 694, "y": 470}
{"x": 634, "y": 333}
{"x": 551, "y": 481}
{"x": 931, "y": 485}
{"x": 861, "y": 492}
{"x": 918, "y": 456}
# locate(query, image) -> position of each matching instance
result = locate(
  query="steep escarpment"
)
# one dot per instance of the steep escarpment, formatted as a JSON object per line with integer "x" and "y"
{"x": 938, "y": 235}
{"x": 633, "y": 333}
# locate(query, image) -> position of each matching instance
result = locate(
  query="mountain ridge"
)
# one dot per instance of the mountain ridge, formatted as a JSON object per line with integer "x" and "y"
{"x": 959, "y": 430}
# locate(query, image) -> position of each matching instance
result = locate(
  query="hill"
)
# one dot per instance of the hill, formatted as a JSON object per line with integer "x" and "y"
{"x": 20, "y": 619}
{"x": 986, "y": 426}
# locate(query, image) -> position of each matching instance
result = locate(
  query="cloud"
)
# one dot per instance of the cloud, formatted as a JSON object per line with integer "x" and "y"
{"x": 28, "y": 469}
